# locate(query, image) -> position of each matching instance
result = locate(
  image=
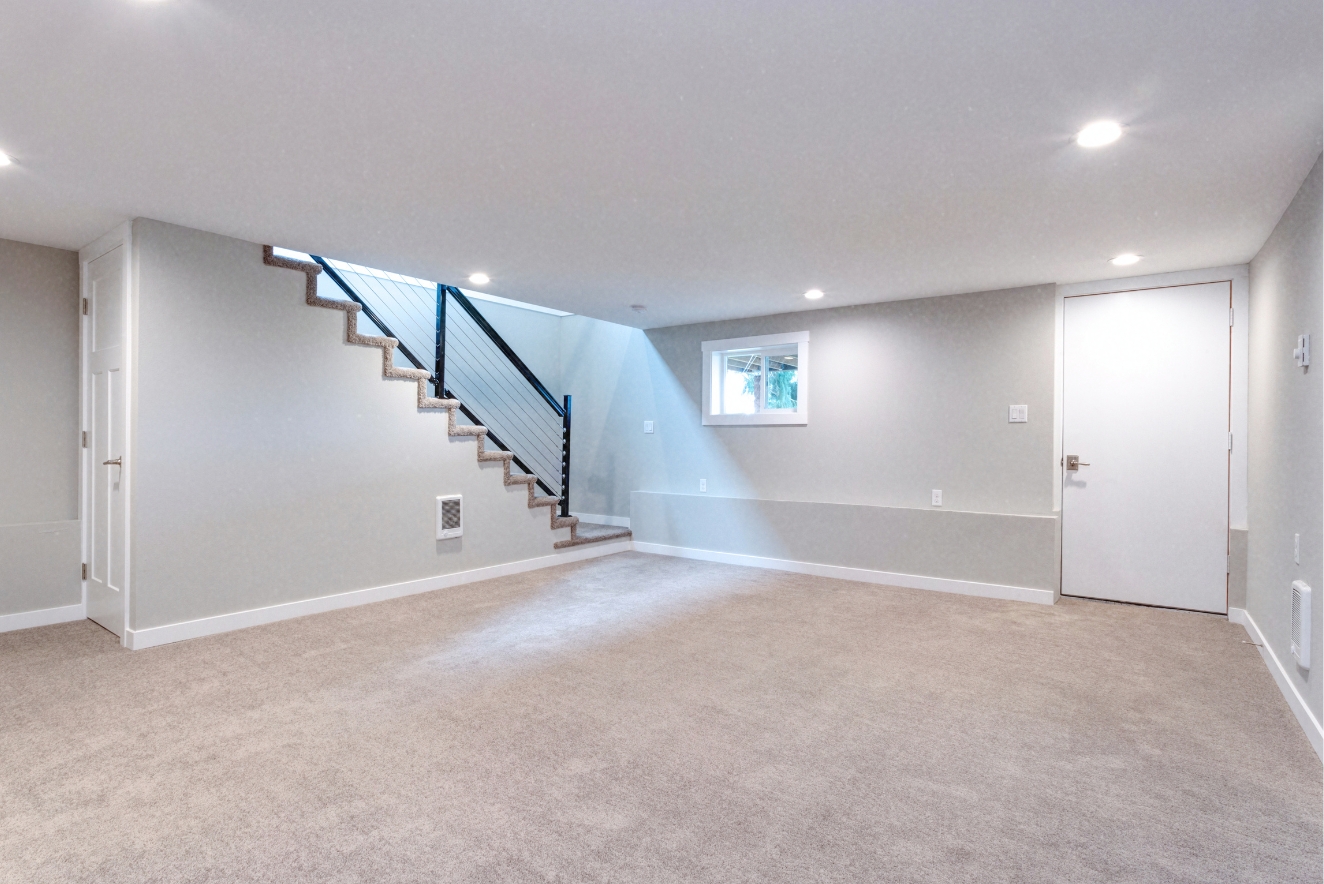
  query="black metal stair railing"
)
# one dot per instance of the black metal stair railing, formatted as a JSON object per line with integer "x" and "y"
{"x": 472, "y": 363}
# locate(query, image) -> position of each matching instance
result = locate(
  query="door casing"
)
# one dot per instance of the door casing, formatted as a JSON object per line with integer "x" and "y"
{"x": 121, "y": 236}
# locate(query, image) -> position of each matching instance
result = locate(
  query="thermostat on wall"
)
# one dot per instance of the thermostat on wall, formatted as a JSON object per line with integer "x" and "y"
{"x": 1018, "y": 414}
{"x": 449, "y": 521}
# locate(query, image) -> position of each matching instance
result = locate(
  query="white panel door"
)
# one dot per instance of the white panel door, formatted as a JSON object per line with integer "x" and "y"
{"x": 106, "y": 416}
{"x": 1146, "y": 384}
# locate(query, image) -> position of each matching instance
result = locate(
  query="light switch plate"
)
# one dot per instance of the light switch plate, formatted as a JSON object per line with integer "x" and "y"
{"x": 648, "y": 426}
{"x": 1018, "y": 414}
{"x": 937, "y": 497}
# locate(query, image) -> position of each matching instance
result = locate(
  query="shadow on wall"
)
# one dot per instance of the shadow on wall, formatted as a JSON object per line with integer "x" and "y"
{"x": 619, "y": 380}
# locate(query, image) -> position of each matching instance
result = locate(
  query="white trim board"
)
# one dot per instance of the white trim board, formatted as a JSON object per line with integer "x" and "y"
{"x": 861, "y": 575}
{"x": 1293, "y": 697}
{"x": 42, "y": 617}
{"x": 594, "y": 518}
{"x": 138, "y": 639}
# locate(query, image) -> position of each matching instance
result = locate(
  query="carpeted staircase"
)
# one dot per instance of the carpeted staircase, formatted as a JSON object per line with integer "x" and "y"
{"x": 421, "y": 377}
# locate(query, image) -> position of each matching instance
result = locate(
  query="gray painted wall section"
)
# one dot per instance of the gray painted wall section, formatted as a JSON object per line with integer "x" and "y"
{"x": 534, "y": 336}
{"x": 39, "y": 566}
{"x": 273, "y": 463}
{"x": 1236, "y": 576}
{"x": 39, "y": 545}
{"x": 1285, "y": 478}
{"x": 907, "y": 396}
{"x": 981, "y": 547}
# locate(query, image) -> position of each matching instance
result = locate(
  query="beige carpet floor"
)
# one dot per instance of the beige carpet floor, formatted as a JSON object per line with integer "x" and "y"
{"x": 640, "y": 718}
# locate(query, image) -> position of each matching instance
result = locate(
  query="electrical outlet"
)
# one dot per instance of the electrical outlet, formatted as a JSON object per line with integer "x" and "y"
{"x": 703, "y": 484}
{"x": 1296, "y": 548}
{"x": 937, "y": 497}
{"x": 648, "y": 426}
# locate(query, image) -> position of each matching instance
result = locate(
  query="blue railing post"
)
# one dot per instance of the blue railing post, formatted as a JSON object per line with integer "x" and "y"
{"x": 439, "y": 373}
{"x": 565, "y": 459}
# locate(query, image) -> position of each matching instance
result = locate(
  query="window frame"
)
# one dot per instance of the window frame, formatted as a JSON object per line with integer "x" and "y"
{"x": 714, "y": 350}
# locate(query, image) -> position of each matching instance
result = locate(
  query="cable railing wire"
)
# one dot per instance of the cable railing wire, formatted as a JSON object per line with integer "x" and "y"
{"x": 472, "y": 363}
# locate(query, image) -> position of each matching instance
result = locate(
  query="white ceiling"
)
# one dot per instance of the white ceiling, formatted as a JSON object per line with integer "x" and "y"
{"x": 707, "y": 158}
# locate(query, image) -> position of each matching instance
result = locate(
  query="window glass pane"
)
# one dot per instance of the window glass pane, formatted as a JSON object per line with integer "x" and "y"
{"x": 741, "y": 377}
{"x": 783, "y": 381}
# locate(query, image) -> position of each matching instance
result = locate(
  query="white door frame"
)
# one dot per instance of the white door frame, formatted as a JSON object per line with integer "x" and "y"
{"x": 120, "y": 236}
{"x": 1239, "y": 276}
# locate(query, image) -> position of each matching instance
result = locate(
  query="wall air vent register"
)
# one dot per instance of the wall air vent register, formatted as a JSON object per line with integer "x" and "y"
{"x": 449, "y": 521}
{"x": 1301, "y": 623}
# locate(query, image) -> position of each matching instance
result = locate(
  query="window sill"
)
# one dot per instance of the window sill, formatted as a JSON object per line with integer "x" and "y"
{"x": 798, "y": 419}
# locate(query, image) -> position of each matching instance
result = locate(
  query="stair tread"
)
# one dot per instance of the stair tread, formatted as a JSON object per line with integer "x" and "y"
{"x": 610, "y": 532}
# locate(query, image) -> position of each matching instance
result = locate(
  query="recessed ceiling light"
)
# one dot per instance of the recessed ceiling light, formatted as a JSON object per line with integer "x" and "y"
{"x": 5, "y": 160}
{"x": 479, "y": 278}
{"x": 1098, "y": 134}
{"x": 1124, "y": 260}
{"x": 814, "y": 294}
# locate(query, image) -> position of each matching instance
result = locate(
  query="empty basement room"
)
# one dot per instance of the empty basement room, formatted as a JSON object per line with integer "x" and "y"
{"x": 691, "y": 442}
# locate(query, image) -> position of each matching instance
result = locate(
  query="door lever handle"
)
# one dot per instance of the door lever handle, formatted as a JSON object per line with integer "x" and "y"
{"x": 1074, "y": 462}
{"x": 113, "y": 463}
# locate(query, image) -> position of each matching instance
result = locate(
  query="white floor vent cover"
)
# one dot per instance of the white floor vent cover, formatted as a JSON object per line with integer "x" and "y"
{"x": 1301, "y": 623}
{"x": 449, "y": 521}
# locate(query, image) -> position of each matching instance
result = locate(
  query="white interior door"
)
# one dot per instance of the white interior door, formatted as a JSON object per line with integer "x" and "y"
{"x": 106, "y": 415}
{"x": 1146, "y": 409}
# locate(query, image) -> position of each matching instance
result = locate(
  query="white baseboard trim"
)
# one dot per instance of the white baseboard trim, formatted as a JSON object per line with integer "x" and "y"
{"x": 862, "y": 575}
{"x": 1307, "y": 719}
{"x": 138, "y": 639}
{"x": 44, "y": 617}
{"x": 614, "y": 521}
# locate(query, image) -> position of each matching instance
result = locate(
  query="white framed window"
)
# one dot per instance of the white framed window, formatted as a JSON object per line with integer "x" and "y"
{"x": 757, "y": 381}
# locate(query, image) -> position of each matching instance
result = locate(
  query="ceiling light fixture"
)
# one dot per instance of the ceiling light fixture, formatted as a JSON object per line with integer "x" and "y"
{"x": 638, "y": 308}
{"x": 5, "y": 160}
{"x": 1098, "y": 134}
{"x": 814, "y": 294}
{"x": 479, "y": 278}
{"x": 1124, "y": 260}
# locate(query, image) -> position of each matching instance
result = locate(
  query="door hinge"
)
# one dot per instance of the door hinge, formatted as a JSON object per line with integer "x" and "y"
{"x": 85, "y": 438}
{"x": 84, "y": 570}
{"x": 1231, "y": 316}
{"x": 1229, "y": 563}
{"x": 85, "y": 306}
{"x": 1229, "y": 441}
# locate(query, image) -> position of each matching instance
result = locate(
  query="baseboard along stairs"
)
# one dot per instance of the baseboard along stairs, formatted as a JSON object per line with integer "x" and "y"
{"x": 453, "y": 428}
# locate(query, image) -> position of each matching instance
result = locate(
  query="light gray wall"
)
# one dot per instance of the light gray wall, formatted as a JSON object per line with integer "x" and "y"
{"x": 1285, "y": 483}
{"x": 907, "y": 396}
{"x": 272, "y": 461}
{"x": 39, "y": 544}
{"x": 980, "y": 547}
{"x": 533, "y": 335}
{"x": 1236, "y": 580}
